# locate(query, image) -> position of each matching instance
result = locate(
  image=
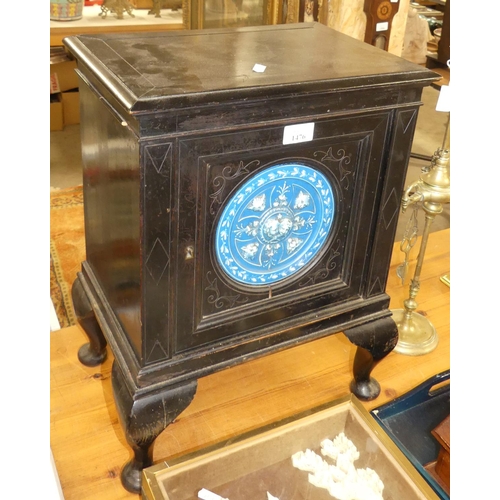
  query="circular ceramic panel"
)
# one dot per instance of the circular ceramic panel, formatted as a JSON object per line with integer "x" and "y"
{"x": 275, "y": 224}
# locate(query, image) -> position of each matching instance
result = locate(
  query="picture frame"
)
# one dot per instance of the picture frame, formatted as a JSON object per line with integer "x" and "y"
{"x": 308, "y": 11}
{"x": 297, "y": 11}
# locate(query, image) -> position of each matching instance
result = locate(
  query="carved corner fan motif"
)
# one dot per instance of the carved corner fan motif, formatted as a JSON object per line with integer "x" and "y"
{"x": 275, "y": 224}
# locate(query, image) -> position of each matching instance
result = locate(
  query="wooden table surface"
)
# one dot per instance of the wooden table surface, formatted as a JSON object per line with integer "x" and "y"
{"x": 87, "y": 441}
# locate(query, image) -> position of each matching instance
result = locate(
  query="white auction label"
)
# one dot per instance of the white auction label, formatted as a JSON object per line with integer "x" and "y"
{"x": 302, "y": 132}
{"x": 382, "y": 26}
{"x": 259, "y": 68}
{"x": 444, "y": 99}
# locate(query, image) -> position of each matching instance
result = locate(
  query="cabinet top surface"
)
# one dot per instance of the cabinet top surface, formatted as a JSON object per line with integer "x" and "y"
{"x": 207, "y": 66}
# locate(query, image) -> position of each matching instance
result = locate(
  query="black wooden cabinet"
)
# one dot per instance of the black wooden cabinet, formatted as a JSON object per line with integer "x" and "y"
{"x": 229, "y": 212}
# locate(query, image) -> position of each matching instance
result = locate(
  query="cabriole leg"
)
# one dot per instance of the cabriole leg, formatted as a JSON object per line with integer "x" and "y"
{"x": 374, "y": 341}
{"x": 143, "y": 418}
{"x": 94, "y": 352}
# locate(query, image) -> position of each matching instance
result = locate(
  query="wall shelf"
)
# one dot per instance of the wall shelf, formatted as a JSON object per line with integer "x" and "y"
{"x": 93, "y": 23}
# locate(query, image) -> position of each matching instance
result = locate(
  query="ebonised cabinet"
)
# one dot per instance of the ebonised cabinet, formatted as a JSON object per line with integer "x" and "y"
{"x": 229, "y": 212}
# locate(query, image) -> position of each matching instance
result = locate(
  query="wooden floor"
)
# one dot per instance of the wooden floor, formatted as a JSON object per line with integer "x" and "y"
{"x": 87, "y": 441}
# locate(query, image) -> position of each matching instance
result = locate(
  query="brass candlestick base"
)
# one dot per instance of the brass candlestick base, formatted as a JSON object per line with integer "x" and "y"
{"x": 417, "y": 334}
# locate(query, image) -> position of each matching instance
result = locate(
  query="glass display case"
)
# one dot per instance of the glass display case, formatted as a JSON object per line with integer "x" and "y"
{"x": 160, "y": 15}
{"x": 260, "y": 465}
{"x": 240, "y": 13}
{"x": 231, "y": 13}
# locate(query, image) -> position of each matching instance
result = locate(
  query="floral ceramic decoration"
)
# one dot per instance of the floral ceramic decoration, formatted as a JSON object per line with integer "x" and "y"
{"x": 275, "y": 224}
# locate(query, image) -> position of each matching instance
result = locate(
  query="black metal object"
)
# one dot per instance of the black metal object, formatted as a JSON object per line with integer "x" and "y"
{"x": 172, "y": 125}
{"x": 419, "y": 156}
{"x": 409, "y": 420}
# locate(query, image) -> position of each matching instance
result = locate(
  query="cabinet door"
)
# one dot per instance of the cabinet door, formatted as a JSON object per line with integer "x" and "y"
{"x": 276, "y": 234}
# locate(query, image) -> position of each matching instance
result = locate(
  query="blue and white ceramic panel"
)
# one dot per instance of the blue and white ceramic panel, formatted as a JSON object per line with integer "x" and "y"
{"x": 275, "y": 224}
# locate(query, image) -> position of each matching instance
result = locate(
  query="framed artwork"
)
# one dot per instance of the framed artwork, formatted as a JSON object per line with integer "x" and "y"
{"x": 308, "y": 11}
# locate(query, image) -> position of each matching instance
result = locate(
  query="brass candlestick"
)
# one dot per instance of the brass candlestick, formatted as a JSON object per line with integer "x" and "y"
{"x": 417, "y": 335}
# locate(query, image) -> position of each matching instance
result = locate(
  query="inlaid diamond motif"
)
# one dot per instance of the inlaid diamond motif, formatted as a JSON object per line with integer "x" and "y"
{"x": 390, "y": 209}
{"x": 157, "y": 155}
{"x": 157, "y": 261}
